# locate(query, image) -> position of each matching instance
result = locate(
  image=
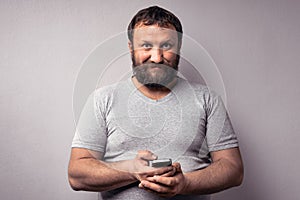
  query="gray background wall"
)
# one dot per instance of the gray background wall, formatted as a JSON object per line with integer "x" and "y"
{"x": 255, "y": 44}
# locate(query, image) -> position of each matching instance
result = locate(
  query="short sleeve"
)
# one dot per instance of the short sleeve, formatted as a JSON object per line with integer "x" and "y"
{"x": 91, "y": 129}
{"x": 219, "y": 133}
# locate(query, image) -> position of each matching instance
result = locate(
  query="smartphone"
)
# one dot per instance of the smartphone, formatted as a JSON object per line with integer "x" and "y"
{"x": 160, "y": 162}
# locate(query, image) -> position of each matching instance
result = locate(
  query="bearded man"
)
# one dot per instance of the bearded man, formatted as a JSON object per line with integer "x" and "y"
{"x": 154, "y": 114}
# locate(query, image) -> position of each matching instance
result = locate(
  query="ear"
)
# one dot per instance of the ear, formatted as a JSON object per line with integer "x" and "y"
{"x": 130, "y": 46}
{"x": 179, "y": 45}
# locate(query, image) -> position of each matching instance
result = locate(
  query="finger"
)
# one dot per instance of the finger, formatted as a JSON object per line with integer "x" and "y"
{"x": 159, "y": 171}
{"x": 150, "y": 171}
{"x": 163, "y": 170}
{"x": 177, "y": 166}
{"x": 170, "y": 173}
{"x": 146, "y": 155}
{"x": 167, "y": 181}
{"x": 150, "y": 186}
{"x": 152, "y": 191}
{"x": 142, "y": 162}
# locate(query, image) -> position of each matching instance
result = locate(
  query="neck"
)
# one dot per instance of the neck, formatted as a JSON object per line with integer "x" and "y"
{"x": 154, "y": 93}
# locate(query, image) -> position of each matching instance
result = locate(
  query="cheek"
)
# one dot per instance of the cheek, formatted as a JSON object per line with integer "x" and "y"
{"x": 141, "y": 56}
{"x": 170, "y": 56}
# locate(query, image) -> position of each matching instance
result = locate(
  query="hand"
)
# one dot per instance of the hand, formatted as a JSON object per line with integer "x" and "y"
{"x": 165, "y": 185}
{"x": 138, "y": 167}
{"x": 141, "y": 170}
{"x": 140, "y": 162}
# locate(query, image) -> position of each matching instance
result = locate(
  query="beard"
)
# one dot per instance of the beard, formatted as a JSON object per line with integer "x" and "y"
{"x": 155, "y": 75}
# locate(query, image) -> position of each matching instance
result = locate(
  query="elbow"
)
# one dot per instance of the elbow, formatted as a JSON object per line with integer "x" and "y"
{"x": 239, "y": 177}
{"x": 75, "y": 185}
{"x": 74, "y": 181}
{"x": 239, "y": 180}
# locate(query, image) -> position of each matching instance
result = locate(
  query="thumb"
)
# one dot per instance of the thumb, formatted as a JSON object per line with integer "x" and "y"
{"x": 177, "y": 166}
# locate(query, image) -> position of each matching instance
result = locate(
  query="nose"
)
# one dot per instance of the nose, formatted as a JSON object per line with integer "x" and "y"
{"x": 156, "y": 55}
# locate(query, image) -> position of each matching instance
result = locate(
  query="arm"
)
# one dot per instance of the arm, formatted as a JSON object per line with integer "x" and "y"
{"x": 226, "y": 171}
{"x": 87, "y": 172}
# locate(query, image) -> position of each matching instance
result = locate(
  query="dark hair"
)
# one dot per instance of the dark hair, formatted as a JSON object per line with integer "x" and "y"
{"x": 155, "y": 15}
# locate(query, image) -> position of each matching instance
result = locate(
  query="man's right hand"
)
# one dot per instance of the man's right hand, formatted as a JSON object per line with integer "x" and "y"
{"x": 139, "y": 168}
{"x": 88, "y": 172}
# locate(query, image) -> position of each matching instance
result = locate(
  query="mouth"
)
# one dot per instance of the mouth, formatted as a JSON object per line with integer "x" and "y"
{"x": 155, "y": 67}
{"x": 152, "y": 65}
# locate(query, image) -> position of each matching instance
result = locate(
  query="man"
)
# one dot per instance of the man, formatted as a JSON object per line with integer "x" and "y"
{"x": 152, "y": 115}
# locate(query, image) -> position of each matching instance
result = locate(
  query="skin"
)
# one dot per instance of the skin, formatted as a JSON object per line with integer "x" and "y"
{"x": 226, "y": 171}
{"x": 88, "y": 172}
{"x": 153, "y": 44}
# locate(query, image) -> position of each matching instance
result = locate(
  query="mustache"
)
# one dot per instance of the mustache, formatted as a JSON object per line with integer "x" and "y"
{"x": 153, "y": 65}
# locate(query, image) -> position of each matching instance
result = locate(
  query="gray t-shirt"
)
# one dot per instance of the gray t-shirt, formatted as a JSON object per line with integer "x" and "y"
{"x": 186, "y": 125}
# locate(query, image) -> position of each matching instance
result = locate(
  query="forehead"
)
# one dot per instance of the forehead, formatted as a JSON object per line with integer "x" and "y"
{"x": 154, "y": 32}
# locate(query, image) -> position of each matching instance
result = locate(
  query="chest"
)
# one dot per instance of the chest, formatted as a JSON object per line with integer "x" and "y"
{"x": 167, "y": 129}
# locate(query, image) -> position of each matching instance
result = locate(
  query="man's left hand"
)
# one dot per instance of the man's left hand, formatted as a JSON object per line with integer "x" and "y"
{"x": 166, "y": 186}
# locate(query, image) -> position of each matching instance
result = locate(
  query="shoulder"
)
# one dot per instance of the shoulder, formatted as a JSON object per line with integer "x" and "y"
{"x": 202, "y": 92}
{"x": 109, "y": 91}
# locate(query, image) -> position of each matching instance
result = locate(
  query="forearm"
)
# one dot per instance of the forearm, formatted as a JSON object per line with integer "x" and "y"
{"x": 94, "y": 175}
{"x": 88, "y": 172}
{"x": 220, "y": 175}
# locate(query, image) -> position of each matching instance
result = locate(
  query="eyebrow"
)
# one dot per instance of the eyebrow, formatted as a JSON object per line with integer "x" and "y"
{"x": 167, "y": 41}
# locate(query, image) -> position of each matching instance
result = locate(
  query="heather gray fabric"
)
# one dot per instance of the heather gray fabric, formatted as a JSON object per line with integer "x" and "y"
{"x": 185, "y": 125}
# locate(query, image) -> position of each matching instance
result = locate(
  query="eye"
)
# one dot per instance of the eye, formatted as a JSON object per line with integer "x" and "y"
{"x": 146, "y": 46}
{"x": 166, "y": 46}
